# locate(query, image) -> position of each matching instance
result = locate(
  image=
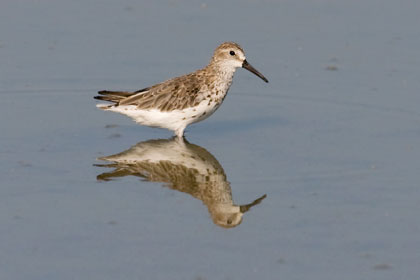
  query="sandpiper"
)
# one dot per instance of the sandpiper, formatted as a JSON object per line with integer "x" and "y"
{"x": 184, "y": 167}
{"x": 180, "y": 101}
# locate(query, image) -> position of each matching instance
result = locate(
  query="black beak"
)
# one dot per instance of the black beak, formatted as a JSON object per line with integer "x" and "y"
{"x": 245, "y": 208}
{"x": 249, "y": 67}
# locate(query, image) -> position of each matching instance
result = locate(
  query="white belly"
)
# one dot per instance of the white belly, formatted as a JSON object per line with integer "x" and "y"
{"x": 173, "y": 120}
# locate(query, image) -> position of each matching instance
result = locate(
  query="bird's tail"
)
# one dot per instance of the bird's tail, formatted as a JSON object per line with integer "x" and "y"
{"x": 111, "y": 96}
{"x": 115, "y": 96}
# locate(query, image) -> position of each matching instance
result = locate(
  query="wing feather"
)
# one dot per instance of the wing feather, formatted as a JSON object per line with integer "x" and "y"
{"x": 177, "y": 93}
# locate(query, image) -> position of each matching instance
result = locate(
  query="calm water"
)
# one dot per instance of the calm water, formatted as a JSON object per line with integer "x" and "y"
{"x": 332, "y": 141}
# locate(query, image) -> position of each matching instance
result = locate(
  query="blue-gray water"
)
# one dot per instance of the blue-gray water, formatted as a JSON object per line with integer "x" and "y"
{"x": 333, "y": 140}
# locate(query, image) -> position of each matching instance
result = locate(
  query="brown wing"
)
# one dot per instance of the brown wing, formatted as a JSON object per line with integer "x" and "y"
{"x": 177, "y": 93}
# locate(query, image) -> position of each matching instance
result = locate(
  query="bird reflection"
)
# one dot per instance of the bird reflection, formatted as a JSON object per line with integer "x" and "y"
{"x": 183, "y": 167}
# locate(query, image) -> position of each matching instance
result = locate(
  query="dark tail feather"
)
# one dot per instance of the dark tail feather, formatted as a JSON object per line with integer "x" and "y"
{"x": 107, "y": 98}
{"x": 116, "y": 93}
{"x": 112, "y": 96}
{"x": 116, "y": 96}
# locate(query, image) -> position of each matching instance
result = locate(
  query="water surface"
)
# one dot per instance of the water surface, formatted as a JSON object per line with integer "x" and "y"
{"x": 332, "y": 141}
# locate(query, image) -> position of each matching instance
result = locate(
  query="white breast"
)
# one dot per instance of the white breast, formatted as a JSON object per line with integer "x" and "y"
{"x": 172, "y": 120}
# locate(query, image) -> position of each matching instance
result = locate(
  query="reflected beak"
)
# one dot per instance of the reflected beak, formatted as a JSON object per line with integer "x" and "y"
{"x": 245, "y": 208}
{"x": 249, "y": 67}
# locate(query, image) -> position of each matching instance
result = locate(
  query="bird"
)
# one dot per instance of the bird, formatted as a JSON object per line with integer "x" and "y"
{"x": 183, "y": 167}
{"x": 178, "y": 102}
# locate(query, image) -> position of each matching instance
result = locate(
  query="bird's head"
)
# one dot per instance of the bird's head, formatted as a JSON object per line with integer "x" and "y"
{"x": 230, "y": 55}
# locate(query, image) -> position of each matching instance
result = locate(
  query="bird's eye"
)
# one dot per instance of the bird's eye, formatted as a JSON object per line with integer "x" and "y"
{"x": 232, "y": 53}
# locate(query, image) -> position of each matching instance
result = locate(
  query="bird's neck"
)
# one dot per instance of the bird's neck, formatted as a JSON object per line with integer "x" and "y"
{"x": 223, "y": 72}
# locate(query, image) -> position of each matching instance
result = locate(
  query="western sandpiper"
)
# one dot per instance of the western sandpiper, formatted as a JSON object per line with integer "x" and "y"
{"x": 183, "y": 100}
{"x": 184, "y": 167}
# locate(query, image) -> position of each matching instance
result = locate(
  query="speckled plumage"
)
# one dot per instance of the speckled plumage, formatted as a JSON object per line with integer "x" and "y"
{"x": 183, "y": 100}
{"x": 184, "y": 167}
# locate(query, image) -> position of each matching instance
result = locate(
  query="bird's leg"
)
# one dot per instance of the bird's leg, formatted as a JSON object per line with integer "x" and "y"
{"x": 180, "y": 132}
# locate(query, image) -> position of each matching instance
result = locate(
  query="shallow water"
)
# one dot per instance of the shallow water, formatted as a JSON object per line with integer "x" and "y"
{"x": 332, "y": 141}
